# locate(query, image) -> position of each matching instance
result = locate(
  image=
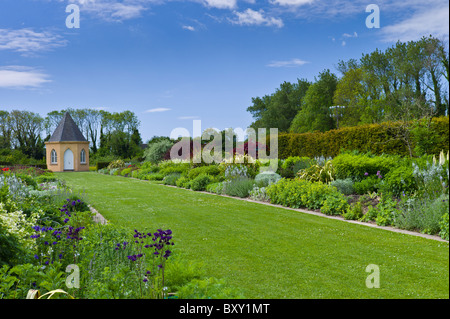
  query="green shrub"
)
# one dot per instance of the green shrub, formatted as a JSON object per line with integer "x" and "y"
{"x": 126, "y": 171}
{"x": 154, "y": 177}
{"x": 215, "y": 188}
{"x": 171, "y": 179}
{"x": 293, "y": 164}
{"x": 101, "y": 165}
{"x": 45, "y": 179}
{"x": 266, "y": 178}
{"x": 400, "y": 180}
{"x": 10, "y": 248}
{"x": 318, "y": 173}
{"x": 27, "y": 179}
{"x": 156, "y": 151}
{"x": 423, "y": 215}
{"x": 370, "y": 215}
{"x": 239, "y": 187}
{"x": 367, "y": 185}
{"x": 180, "y": 169}
{"x": 211, "y": 170}
{"x": 359, "y": 166}
{"x": 354, "y": 211}
{"x": 345, "y": 186}
{"x": 334, "y": 204}
{"x": 116, "y": 164}
{"x": 200, "y": 182}
{"x": 183, "y": 182}
{"x": 299, "y": 193}
{"x": 443, "y": 224}
{"x": 259, "y": 194}
{"x": 387, "y": 211}
{"x": 103, "y": 171}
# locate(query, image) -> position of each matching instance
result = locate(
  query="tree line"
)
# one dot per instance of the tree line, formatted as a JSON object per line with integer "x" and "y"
{"x": 110, "y": 134}
{"x": 409, "y": 80}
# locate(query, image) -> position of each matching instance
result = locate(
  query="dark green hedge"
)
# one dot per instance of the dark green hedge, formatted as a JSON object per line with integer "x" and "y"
{"x": 101, "y": 165}
{"x": 375, "y": 138}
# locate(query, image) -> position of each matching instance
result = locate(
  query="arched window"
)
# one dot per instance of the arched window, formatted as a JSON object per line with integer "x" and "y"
{"x": 83, "y": 157}
{"x": 54, "y": 157}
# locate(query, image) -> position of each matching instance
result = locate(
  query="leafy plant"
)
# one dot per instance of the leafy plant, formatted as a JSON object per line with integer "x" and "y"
{"x": 116, "y": 164}
{"x": 423, "y": 215}
{"x": 259, "y": 194}
{"x": 354, "y": 211}
{"x": 345, "y": 186}
{"x": 171, "y": 179}
{"x": 183, "y": 182}
{"x": 318, "y": 173}
{"x": 156, "y": 151}
{"x": 200, "y": 182}
{"x": 367, "y": 185}
{"x": 387, "y": 211}
{"x": 239, "y": 187}
{"x": 334, "y": 204}
{"x": 266, "y": 178}
{"x": 293, "y": 164}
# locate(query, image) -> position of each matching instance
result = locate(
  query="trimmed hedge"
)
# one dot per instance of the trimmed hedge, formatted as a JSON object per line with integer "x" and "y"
{"x": 101, "y": 165}
{"x": 375, "y": 138}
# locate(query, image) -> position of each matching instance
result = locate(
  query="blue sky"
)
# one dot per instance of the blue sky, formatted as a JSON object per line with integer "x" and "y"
{"x": 172, "y": 61}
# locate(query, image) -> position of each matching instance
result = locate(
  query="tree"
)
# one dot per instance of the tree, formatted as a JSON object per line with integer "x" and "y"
{"x": 315, "y": 112}
{"x": 116, "y": 133}
{"x": 93, "y": 120}
{"x": 279, "y": 109}
{"x": 5, "y": 131}
{"x": 352, "y": 96}
{"x": 26, "y": 132}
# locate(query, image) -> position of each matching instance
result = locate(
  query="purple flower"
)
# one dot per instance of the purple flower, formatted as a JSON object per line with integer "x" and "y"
{"x": 366, "y": 174}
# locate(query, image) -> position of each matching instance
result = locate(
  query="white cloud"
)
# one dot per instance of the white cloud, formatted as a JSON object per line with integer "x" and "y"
{"x": 221, "y": 4}
{"x": 433, "y": 21}
{"x": 287, "y": 64}
{"x": 344, "y": 43}
{"x": 113, "y": 10}
{"x": 252, "y": 17}
{"x": 189, "y": 27}
{"x": 160, "y": 109}
{"x": 28, "y": 42}
{"x": 188, "y": 117}
{"x": 347, "y": 35}
{"x": 294, "y": 3}
{"x": 21, "y": 77}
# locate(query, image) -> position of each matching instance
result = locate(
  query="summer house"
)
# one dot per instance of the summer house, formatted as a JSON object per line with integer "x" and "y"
{"x": 67, "y": 149}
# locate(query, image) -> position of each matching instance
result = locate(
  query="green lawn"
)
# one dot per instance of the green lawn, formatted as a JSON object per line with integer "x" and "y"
{"x": 271, "y": 252}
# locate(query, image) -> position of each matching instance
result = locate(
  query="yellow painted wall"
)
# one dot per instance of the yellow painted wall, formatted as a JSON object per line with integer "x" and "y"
{"x": 60, "y": 148}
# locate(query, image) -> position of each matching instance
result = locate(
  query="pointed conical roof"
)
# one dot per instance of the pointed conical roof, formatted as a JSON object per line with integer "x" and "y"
{"x": 67, "y": 131}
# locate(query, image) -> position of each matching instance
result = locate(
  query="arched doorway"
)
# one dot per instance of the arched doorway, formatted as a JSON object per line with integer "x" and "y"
{"x": 68, "y": 160}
